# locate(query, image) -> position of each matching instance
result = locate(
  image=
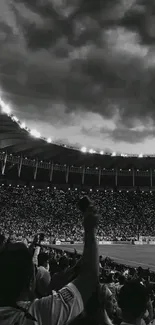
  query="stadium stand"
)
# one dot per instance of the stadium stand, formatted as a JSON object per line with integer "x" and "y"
{"x": 40, "y": 187}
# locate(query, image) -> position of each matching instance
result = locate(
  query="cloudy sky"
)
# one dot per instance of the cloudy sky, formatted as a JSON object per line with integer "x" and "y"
{"x": 82, "y": 71}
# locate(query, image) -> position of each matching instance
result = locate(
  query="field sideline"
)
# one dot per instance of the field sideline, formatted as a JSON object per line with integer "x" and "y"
{"x": 140, "y": 255}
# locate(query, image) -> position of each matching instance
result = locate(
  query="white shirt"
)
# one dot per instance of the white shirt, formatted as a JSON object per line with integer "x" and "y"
{"x": 57, "y": 309}
{"x": 43, "y": 280}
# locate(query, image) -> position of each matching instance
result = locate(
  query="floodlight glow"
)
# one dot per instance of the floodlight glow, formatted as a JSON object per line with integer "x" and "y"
{"x": 49, "y": 140}
{"x": 141, "y": 155}
{"x": 35, "y": 133}
{"x": 5, "y": 108}
{"x": 91, "y": 151}
{"x": 84, "y": 149}
{"x": 23, "y": 126}
{"x": 114, "y": 154}
{"x": 15, "y": 118}
{"x": 101, "y": 153}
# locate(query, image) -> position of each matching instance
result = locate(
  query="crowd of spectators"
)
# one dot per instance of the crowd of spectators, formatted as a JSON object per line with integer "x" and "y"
{"x": 41, "y": 284}
{"x": 122, "y": 214}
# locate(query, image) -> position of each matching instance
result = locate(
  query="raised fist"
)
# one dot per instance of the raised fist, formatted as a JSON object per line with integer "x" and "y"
{"x": 91, "y": 218}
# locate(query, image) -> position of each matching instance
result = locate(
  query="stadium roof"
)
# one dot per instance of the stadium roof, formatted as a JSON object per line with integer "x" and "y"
{"x": 18, "y": 140}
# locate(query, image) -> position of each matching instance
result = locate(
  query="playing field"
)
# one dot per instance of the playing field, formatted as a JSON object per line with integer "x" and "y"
{"x": 140, "y": 255}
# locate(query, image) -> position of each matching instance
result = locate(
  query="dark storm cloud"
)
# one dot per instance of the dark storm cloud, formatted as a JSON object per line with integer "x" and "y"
{"x": 121, "y": 134}
{"x": 93, "y": 56}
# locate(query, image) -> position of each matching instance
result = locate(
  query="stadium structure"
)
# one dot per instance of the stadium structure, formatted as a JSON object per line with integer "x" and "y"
{"x": 29, "y": 159}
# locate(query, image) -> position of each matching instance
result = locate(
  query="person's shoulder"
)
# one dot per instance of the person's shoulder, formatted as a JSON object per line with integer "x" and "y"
{"x": 67, "y": 294}
{"x": 71, "y": 290}
{"x": 66, "y": 304}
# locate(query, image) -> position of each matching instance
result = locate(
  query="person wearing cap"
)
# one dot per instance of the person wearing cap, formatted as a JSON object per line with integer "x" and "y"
{"x": 18, "y": 282}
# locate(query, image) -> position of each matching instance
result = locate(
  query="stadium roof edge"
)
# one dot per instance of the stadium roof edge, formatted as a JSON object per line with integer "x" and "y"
{"x": 17, "y": 139}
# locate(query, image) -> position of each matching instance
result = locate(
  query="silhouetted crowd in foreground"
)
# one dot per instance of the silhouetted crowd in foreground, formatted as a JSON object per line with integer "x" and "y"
{"x": 42, "y": 285}
{"x": 23, "y": 211}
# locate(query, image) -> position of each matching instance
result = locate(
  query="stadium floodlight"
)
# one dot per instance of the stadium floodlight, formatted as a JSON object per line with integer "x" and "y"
{"x": 91, "y": 151}
{"x": 49, "y": 140}
{"x": 48, "y": 187}
{"x": 141, "y": 155}
{"x": 23, "y": 125}
{"x": 6, "y": 109}
{"x": 114, "y": 154}
{"x": 75, "y": 189}
{"x": 35, "y": 133}
{"x": 83, "y": 149}
{"x": 90, "y": 190}
{"x": 101, "y": 152}
{"x": 14, "y": 118}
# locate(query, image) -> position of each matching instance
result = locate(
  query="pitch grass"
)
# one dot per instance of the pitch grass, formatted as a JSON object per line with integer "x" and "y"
{"x": 142, "y": 255}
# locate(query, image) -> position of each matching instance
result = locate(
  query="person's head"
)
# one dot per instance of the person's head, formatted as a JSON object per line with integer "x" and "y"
{"x": 121, "y": 279}
{"x": 132, "y": 300}
{"x": 17, "y": 273}
{"x": 43, "y": 260}
{"x": 110, "y": 278}
{"x": 63, "y": 262}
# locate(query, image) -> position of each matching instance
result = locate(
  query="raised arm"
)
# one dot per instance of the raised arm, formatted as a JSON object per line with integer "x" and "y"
{"x": 88, "y": 278}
